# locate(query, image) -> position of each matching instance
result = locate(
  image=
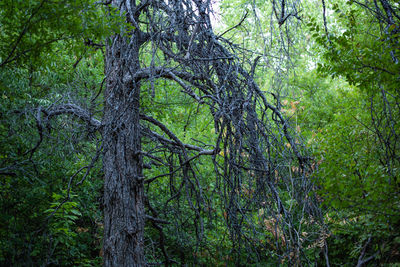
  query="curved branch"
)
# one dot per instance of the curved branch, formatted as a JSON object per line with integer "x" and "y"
{"x": 74, "y": 110}
{"x": 175, "y": 140}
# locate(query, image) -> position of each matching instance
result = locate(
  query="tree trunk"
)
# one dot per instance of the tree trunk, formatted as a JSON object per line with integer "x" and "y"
{"x": 124, "y": 215}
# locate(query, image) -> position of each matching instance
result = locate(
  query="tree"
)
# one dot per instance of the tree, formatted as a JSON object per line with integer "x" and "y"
{"x": 261, "y": 167}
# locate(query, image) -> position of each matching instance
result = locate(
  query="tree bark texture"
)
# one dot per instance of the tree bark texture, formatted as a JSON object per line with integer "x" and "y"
{"x": 124, "y": 214}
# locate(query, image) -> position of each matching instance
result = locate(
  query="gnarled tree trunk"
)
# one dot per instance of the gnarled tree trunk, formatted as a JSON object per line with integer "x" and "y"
{"x": 124, "y": 215}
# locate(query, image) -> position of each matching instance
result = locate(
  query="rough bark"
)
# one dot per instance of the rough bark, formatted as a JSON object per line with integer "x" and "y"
{"x": 124, "y": 214}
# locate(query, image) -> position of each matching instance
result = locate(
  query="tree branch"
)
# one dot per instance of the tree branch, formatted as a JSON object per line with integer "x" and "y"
{"x": 74, "y": 110}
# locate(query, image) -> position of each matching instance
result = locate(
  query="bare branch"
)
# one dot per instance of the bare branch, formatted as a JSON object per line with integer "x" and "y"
{"x": 74, "y": 110}
{"x": 175, "y": 141}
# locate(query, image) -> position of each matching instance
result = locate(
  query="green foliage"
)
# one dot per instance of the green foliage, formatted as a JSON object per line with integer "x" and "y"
{"x": 42, "y": 54}
{"x": 34, "y": 184}
{"x": 357, "y": 48}
{"x": 352, "y": 127}
{"x": 356, "y": 189}
{"x": 29, "y": 29}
